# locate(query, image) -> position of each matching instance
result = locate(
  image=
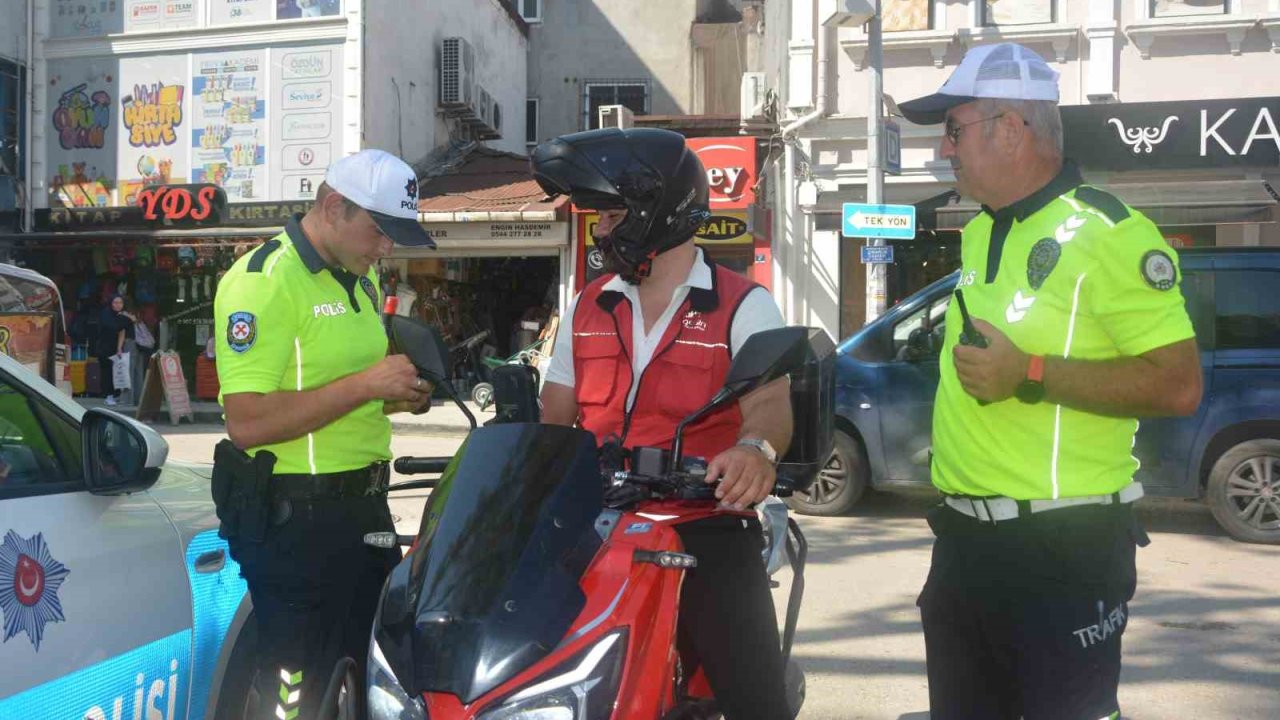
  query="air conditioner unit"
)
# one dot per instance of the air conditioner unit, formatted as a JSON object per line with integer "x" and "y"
{"x": 457, "y": 75}
{"x": 752, "y": 95}
{"x": 616, "y": 116}
{"x": 483, "y": 107}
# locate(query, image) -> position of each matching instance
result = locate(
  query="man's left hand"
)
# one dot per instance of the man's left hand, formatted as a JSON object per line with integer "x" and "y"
{"x": 409, "y": 406}
{"x": 746, "y": 476}
{"x": 991, "y": 373}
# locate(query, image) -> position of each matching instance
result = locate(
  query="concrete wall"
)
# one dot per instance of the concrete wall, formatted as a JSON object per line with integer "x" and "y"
{"x": 402, "y": 72}
{"x": 584, "y": 40}
{"x": 13, "y": 30}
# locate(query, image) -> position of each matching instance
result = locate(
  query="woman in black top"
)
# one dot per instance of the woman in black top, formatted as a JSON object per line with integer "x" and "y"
{"x": 115, "y": 339}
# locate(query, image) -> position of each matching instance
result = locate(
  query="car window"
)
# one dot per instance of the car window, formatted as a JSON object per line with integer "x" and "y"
{"x": 913, "y": 339}
{"x": 36, "y": 449}
{"x": 1248, "y": 310}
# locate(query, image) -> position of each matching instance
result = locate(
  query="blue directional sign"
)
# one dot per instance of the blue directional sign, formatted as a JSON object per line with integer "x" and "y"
{"x": 877, "y": 254}
{"x": 892, "y": 222}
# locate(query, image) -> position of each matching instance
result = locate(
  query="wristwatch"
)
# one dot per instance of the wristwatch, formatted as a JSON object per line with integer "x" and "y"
{"x": 1031, "y": 389}
{"x": 763, "y": 446}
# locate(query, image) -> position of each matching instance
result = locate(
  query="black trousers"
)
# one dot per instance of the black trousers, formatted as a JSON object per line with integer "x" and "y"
{"x": 1023, "y": 619}
{"x": 315, "y": 587}
{"x": 727, "y": 618}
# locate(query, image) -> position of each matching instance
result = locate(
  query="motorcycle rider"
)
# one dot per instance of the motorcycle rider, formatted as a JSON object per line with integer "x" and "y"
{"x": 649, "y": 343}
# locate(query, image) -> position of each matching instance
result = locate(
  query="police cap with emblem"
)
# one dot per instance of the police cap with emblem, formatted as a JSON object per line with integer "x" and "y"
{"x": 385, "y": 187}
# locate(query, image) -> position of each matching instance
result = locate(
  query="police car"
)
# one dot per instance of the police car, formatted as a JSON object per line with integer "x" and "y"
{"x": 119, "y": 600}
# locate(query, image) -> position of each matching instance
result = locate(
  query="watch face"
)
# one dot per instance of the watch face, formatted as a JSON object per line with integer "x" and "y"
{"x": 1029, "y": 391}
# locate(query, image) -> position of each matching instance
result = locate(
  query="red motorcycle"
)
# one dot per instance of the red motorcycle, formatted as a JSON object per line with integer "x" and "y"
{"x": 544, "y": 582}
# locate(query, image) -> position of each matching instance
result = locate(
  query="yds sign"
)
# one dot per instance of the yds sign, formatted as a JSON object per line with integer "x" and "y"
{"x": 183, "y": 203}
{"x": 731, "y": 170}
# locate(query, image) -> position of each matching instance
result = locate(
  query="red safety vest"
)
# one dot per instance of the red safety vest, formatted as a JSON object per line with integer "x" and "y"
{"x": 688, "y": 367}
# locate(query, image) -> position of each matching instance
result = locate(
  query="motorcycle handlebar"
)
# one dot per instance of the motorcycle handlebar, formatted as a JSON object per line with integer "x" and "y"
{"x": 421, "y": 465}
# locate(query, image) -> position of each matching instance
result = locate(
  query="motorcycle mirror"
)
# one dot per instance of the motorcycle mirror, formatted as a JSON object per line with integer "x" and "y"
{"x": 424, "y": 346}
{"x": 763, "y": 358}
{"x": 428, "y": 353}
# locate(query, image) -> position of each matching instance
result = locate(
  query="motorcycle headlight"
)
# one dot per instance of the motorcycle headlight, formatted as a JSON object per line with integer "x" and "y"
{"x": 584, "y": 687}
{"x": 387, "y": 698}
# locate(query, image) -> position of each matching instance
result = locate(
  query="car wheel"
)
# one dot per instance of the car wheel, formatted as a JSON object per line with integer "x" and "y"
{"x": 237, "y": 682}
{"x": 1244, "y": 491}
{"x": 839, "y": 484}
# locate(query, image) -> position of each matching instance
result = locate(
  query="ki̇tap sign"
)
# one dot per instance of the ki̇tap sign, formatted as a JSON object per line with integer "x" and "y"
{"x": 730, "y": 163}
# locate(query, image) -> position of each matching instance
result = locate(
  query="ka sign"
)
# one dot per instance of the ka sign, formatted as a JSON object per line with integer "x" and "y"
{"x": 730, "y": 163}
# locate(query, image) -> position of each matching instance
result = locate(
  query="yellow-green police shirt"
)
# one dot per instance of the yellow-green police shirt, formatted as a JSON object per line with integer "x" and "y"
{"x": 1070, "y": 271}
{"x": 286, "y": 321}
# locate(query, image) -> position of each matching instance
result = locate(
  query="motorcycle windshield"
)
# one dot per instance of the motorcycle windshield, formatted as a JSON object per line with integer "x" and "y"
{"x": 492, "y": 586}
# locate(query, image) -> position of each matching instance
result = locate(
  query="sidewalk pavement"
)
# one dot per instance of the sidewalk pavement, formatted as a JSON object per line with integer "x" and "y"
{"x": 444, "y": 419}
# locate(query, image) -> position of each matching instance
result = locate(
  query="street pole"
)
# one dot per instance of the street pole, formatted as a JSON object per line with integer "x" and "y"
{"x": 876, "y": 275}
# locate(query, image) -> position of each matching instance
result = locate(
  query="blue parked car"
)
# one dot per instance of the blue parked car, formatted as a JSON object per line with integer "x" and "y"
{"x": 1228, "y": 452}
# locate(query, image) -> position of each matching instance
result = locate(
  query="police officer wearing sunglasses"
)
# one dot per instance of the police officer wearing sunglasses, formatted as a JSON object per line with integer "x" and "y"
{"x": 1077, "y": 329}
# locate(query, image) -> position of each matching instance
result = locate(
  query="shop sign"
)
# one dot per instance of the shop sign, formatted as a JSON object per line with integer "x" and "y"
{"x": 182, "y": 204}
{"x": 730, "y": 163}
{"x": 726, "y": 228}
{"x": 1168, "y": 135}
{"x": 266, "y": 214}
{"x": 499, "y": 233}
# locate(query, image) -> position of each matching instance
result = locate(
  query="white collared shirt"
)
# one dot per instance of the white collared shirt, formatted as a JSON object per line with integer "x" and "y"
{"x": 756, "y": 313}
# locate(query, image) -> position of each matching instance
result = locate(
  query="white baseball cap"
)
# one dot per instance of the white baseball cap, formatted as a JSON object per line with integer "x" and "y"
{"x": 1005, "y": 70}
{"x": 387, "y": 188}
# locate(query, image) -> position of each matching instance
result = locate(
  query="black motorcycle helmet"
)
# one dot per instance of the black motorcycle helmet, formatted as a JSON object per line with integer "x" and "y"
{"x": 648, "y": 172}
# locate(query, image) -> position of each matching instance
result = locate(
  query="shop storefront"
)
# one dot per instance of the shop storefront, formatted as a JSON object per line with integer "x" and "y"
{"x": 504, "y": 280}
{"x": 164, "y": 256}
{"x": 737, "y": 234}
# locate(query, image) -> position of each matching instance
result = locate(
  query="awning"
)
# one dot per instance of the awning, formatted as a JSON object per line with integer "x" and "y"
{"x": 1207, "y": 202}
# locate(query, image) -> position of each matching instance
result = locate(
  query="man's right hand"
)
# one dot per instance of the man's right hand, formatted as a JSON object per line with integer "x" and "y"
{"x": 395, "y": 379}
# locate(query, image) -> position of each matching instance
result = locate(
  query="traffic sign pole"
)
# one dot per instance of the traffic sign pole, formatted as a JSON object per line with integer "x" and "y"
{"x": 876, "y": 272}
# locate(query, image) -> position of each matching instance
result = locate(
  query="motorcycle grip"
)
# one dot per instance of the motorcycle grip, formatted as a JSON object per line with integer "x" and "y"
{"x": 421, "y": 465}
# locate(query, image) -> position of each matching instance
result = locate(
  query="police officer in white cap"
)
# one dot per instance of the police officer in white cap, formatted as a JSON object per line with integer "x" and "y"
{"x": 306, "y": 384}
{"x": 1077, "y": 329}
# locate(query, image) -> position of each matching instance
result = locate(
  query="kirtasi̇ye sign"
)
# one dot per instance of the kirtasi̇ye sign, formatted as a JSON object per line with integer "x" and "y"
{"x": 177, "y": 206}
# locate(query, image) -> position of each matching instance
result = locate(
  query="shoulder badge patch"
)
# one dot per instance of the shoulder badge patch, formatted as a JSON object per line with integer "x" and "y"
{"x": 1042, "y": 260}
{"x": 242, "y": 331}
{"x": 1158, "y": 270}
{"x": 370, "y": 290}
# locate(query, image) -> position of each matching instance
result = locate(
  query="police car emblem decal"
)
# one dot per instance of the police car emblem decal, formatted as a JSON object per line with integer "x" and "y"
{"x": 369, "y": 289}
{"x": 1158, "y": 270}
{"x": 1042, "y": 260}
{"x": 29, "y": 582}
{"x": 242, "y": 331}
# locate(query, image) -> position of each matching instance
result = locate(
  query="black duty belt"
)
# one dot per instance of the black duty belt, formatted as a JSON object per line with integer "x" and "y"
{"x": 364, "y": 482}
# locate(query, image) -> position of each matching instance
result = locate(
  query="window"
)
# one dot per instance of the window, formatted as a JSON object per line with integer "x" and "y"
{"x": 39, "y": 449}
{"x": 1197, "y": 291}
{"x": 530, "y": 10}
{"x": 12, "y": 82}
{"x": 531, "y": 121}
{"x": 1017, "y": 12}
{"x": 919, "y": 335}
{"x": 1248, "y": 310}
{"x": 900, "y": 15}
{"x": 1175, "y": 8}
{"x": 634, "y": 95}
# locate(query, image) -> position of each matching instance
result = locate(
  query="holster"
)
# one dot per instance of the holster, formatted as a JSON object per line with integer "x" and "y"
{"x": 242, "y": 491}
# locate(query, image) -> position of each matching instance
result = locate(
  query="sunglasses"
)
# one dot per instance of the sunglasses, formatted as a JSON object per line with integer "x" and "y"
{"x": 953, "y": 130}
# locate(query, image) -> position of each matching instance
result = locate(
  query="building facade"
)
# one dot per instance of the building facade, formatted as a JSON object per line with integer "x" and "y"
{"x": 1171, "y": 104}
{"x": 167, "y": 137}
